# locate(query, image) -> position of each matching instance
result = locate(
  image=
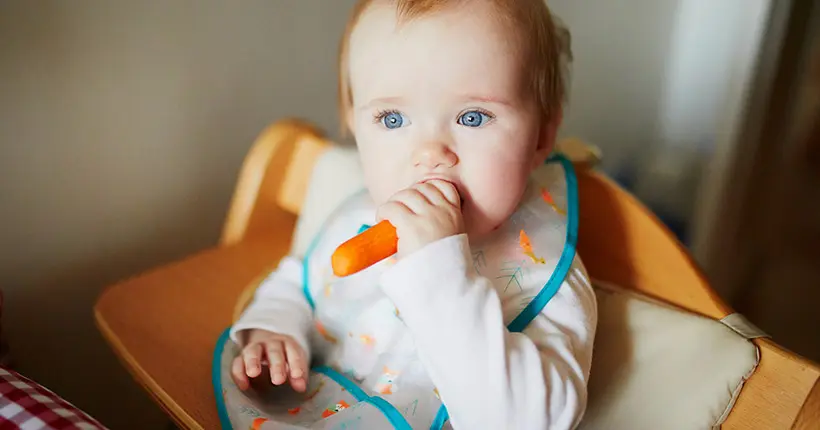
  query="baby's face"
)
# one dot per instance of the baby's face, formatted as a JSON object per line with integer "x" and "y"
{"x": 444, "y": 96}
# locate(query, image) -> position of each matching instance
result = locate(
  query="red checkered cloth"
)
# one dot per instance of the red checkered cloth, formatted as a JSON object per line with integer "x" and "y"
{"x": 25, "y": 404}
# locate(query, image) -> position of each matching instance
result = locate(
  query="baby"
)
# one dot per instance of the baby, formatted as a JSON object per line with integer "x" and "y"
{"x": 485, "y": 318}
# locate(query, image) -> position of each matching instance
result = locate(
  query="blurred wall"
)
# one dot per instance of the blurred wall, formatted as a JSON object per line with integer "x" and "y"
{"x": 621, "y": 50}
{"x": 659, "y": 85}
{"x": 122, "y": 129}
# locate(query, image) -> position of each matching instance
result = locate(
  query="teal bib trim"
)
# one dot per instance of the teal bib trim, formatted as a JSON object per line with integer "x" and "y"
{"x": 306, "y": 269}
{"x": 340, "y": 379}
{"x": 390, "y": 412}
{"x": 393, "y": 415}
{"x": 558, "y": 275}
{"x": 567, "y": 255}
{"x": 221, "y": 410}
{"x": 306, "y": 266}
{"x": 441, "y": 417}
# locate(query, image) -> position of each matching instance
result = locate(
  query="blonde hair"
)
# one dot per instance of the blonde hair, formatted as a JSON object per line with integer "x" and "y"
{"x": 545, "y": 43}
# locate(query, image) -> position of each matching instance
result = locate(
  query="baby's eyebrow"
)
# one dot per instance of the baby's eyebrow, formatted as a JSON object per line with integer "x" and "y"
{"x": 401, "y": 101}
{"x": 382, "y": 101}
{"x": 487, "y": 99}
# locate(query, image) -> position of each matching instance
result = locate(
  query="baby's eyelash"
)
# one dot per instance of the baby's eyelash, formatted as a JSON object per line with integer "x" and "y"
{"x": 383, "y": 113}
{"x": 478, "y": 109}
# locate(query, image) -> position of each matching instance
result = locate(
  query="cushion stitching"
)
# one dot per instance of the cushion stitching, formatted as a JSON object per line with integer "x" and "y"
{"x": 738, "y": 389}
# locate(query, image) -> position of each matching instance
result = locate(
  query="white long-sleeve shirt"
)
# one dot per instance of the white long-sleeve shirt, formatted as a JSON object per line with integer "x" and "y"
{"x": 487, "y": 376}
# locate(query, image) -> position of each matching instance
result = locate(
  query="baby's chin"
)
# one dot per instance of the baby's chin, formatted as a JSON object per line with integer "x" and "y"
{"x": 478, "y": 229}
{"x": 482, "y": 222}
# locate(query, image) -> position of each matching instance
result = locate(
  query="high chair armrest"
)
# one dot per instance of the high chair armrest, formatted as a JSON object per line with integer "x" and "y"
{"x": 163, "y": 324}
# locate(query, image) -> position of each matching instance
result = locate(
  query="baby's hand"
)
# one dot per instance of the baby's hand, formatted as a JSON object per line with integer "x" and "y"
{"x": 282, "y": 355}
{"x": 423, "y": 214}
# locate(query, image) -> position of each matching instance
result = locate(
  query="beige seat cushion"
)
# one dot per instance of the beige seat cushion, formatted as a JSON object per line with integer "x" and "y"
{"x": 658, "y": 367}
{"x": 654, "y": 366}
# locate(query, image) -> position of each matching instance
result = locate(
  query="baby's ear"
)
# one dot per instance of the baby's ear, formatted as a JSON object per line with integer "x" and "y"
{"x": 546, "y": 138}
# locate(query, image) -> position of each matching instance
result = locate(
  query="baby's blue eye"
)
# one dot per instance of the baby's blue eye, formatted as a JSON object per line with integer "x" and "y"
{"x": 473, "y": 118}
{"x": 392, "y": 120}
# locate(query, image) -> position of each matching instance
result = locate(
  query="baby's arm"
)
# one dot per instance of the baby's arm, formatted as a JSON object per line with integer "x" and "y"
{"x": 487, "y": 376}
{"x": 275, "y": 327}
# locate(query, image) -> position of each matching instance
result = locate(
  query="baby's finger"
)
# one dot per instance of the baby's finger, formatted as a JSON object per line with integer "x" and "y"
{"x": 413, "y": 200}
{"x": 433, "y": 194}
{"x": 393, "y": 210}
{"x": 296, "y": 364}
{"x": 299, "y": 385}
{"x": 238, "y": 373}
{"x": 276, "y": 358}
{"x": 252, "y": 355}
{"x": 448, "y": 190}
{"x": 296, "y": 359}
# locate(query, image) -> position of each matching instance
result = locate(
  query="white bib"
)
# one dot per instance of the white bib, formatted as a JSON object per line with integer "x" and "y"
{"x": 367, "y": 374}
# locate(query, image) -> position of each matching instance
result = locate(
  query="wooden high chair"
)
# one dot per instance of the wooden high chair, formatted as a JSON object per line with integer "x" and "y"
{"x": 163, "y": 324}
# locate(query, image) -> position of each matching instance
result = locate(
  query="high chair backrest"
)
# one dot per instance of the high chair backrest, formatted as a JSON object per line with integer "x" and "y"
{"x": 620, "y": 240}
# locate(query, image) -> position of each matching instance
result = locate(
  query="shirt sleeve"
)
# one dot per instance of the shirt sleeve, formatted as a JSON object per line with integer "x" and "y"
{"x": 487, "y": 376}
{"x": 279, "y": 306}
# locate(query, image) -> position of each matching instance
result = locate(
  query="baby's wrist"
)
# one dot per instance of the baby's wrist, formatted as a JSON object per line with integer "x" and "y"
{"x": 429, "y": 255}
{"x": 412, "y": 247}
{"x": 420, "y": 277}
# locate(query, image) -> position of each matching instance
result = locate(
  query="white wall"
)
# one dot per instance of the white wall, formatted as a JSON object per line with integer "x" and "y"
{"x": 658, "y": 83}
{"x": 122, "y": 127}
{"x": 621, "y": 49}
{"x": 712, "y": 60}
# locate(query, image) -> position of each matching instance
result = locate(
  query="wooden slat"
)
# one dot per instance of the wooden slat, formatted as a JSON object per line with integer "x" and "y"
{"x": 295, "y": 183}
{"x": 622, "y": 242}
{"x": 773, "y": 396}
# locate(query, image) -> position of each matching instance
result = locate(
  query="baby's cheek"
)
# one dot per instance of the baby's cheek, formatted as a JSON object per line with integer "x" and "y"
{"x": 381, "y": 175}
{"x": 378, "y": 191}
{"x": 494, "y": 197}
{"x": 380, "y": 182}
{"x": 499, "y": 196}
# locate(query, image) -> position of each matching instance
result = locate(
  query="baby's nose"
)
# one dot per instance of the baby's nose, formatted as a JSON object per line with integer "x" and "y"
{"x": 434, "y": 155}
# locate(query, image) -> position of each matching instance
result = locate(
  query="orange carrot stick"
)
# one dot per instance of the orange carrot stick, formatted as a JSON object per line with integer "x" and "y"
{"x": 365, "y": 249}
